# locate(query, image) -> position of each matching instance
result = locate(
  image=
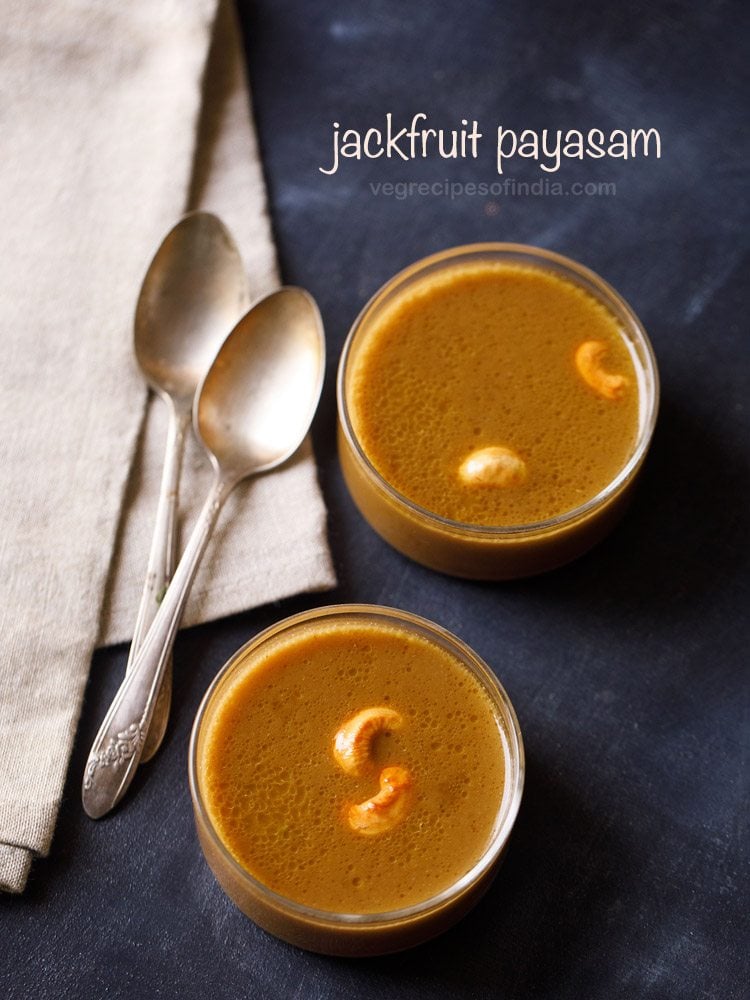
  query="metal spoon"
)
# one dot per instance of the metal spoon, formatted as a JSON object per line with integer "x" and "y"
{"x": 252, "y": 412}
{"x": 194, "y": 292}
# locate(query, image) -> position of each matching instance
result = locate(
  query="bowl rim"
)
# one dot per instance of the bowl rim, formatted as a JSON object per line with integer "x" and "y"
{"x": 590, "y": 281}
{"x": 507, "y": 809}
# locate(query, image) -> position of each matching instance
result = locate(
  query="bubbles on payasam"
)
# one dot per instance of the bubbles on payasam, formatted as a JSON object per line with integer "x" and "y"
{"x": 491, "y": 345}
{"x": 301, "y": 789}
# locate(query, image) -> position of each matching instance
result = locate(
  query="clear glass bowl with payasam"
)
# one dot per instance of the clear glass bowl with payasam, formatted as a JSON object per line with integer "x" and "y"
{"x": 496, "y": 402}
{"x": 355, "y": 773}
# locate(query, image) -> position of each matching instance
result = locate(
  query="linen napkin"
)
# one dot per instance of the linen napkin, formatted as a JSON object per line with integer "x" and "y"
{"x": 118, "y": 118}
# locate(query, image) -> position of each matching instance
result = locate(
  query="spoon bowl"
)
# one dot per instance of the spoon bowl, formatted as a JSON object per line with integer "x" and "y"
{"x": 265, "y": 385}
{"x": 193, "y": 294}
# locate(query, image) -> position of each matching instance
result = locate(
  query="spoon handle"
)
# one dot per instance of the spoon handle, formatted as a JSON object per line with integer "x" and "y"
{"x": 118, "y": 745}
{"x": 161, "y": 565}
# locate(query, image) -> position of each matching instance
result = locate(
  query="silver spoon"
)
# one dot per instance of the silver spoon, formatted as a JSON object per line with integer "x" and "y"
{"x": 194, "y": 292}
{"x": 252, "y": 412}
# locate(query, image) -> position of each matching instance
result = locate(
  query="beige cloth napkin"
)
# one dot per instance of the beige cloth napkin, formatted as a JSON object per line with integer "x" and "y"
{"x": 117, "y": 118}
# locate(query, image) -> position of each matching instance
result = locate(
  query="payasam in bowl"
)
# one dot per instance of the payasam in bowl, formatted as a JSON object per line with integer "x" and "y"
{"x": 355, "y": 772}
{"x": 496, "y": 403}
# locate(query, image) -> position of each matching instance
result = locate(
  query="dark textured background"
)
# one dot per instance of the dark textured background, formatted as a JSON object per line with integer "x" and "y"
{"x": 626, "y": 876}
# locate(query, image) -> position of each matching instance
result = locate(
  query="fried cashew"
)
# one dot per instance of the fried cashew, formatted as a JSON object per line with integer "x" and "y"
{"x": 384, "y": 810}
{"x": 589, "y": 357}
{"x": 352, "y": 744}
{"x": 493, "y": 466}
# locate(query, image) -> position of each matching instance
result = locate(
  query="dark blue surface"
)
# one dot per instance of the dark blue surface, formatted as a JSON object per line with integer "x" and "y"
{"x": 626, "y": 877}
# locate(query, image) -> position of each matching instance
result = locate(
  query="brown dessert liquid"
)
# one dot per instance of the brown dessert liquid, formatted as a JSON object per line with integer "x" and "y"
{"x": 483, "y": 355}
{"x": 277, "y": 797}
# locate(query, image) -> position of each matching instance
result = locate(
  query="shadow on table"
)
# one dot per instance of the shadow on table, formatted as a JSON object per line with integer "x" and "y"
{"x": 539, "y": 920}
{"x": 684, "y": 538}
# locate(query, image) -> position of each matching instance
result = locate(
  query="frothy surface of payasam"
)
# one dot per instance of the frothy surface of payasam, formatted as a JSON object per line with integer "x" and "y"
{"x": 278, "y": 798}
{"x": 484, "y": 355}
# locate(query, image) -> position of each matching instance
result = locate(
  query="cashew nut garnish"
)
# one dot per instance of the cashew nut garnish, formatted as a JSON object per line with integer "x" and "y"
{"x": 352, "y": 745}
{"x": 384, "y": 810}
{"x": 493, "y": 466}
{"x": 352, "y": 748}
{"x": 589, "y": 357}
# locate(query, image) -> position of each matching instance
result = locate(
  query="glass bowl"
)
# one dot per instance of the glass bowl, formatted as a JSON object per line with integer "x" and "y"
{"x": 369, "y": 933}
{"x": 502, "y": 551}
